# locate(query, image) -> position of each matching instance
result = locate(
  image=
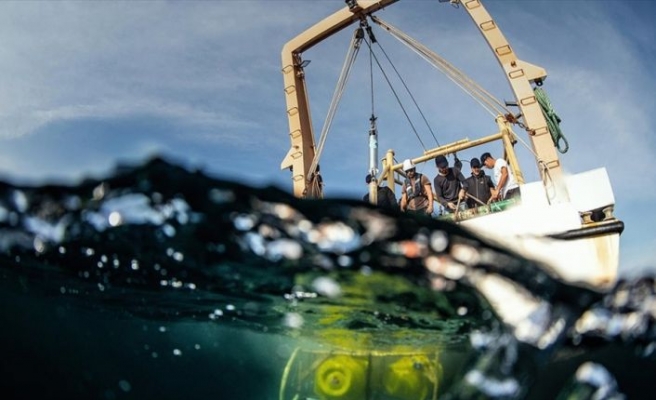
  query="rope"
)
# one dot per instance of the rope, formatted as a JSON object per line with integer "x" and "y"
{"x": 371, "y": 78}
{"x": 468, "y": 85}
{"x": 547, "y": 181}
{"x": 398, "y": 99}
{"x": 409, "y": 92}
{"x": 316, "y": 187}
{"x": 553, "y": 121}
{"x": 337, "y": 95}
{"x": 476, "y": 199}
{"x": 455, "y": 213}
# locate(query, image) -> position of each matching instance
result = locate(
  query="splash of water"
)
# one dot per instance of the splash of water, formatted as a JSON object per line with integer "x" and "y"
{"x": 160, "y": 243}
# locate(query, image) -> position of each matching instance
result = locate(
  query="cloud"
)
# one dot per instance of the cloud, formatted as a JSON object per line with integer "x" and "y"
{"x": 196, "y": 62}
{"x": 604, "y": 92}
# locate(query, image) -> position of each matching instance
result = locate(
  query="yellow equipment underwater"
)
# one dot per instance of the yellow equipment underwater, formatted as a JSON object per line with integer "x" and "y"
{"x": 341, "y": 377}
{"x": 397, "y": 374}
{"x": 410, "y": 377}
{"x": 336, "y": 363}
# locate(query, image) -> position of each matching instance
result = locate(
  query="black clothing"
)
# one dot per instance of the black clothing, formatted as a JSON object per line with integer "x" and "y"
{"x": 457, "y": 164}
{"x": 419, "y": 211}
{"x": 385, "y": 198}
{"x": 479, "y": 187}
{"x": 447, "y": 186}
{"x": 512, "y": 193}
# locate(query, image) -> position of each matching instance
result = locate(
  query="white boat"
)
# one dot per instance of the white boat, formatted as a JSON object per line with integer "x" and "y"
{"x": 565, "y": 221}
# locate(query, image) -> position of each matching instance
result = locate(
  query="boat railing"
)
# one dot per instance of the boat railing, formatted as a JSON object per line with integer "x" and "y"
{"x": 505, "y": 135}
{"x": 479, "y": 211}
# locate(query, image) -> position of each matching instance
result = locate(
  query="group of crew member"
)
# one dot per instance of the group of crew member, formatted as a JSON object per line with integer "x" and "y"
{"x": 452, "y": 190}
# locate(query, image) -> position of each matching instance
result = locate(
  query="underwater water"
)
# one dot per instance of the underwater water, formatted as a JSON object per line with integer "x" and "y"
{"x": 159, "y": 282}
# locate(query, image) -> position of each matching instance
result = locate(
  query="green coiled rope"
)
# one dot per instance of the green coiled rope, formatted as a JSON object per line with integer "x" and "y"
{"x": 553, "y": 121}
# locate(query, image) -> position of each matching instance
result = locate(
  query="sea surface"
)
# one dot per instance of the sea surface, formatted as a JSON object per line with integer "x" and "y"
{"x": 158, "y": 282}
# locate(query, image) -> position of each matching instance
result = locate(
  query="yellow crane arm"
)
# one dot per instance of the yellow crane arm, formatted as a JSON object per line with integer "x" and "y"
{"x": 303, "y": 150}
{"x": 520, "y": 76}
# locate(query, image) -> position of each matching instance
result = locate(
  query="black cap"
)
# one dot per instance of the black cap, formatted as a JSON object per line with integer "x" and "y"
{"x": 484, "y": 157}
{"x": 368, "y": 178}
{"x": 441, "y": 162}
{"x": 474, "y": 163}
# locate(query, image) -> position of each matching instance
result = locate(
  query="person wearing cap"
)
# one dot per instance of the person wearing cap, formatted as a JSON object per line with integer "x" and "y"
{"x": 479, "y": 190}
{"x": 385, "y": 197}
{"x": 416, "y": 193}
{"x": 506, "y": 184}
{"x": 450, "y": 186}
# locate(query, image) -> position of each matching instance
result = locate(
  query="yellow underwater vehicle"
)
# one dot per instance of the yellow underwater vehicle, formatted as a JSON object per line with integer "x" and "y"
{"x": 375, "y": 360}
{"x": 402, "y": 374}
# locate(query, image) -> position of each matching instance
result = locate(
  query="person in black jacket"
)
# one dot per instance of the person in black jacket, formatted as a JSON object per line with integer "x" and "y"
{"x": 450, "y": 185}
{"x": 479, "y": 185}
{"x": 385, "y": 196}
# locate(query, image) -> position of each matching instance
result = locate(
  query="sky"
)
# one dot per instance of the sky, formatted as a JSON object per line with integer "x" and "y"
{"x": 89, "y": 85}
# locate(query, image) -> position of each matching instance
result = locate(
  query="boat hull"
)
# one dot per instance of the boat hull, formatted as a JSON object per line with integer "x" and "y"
{"x": 578, "y": 239}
